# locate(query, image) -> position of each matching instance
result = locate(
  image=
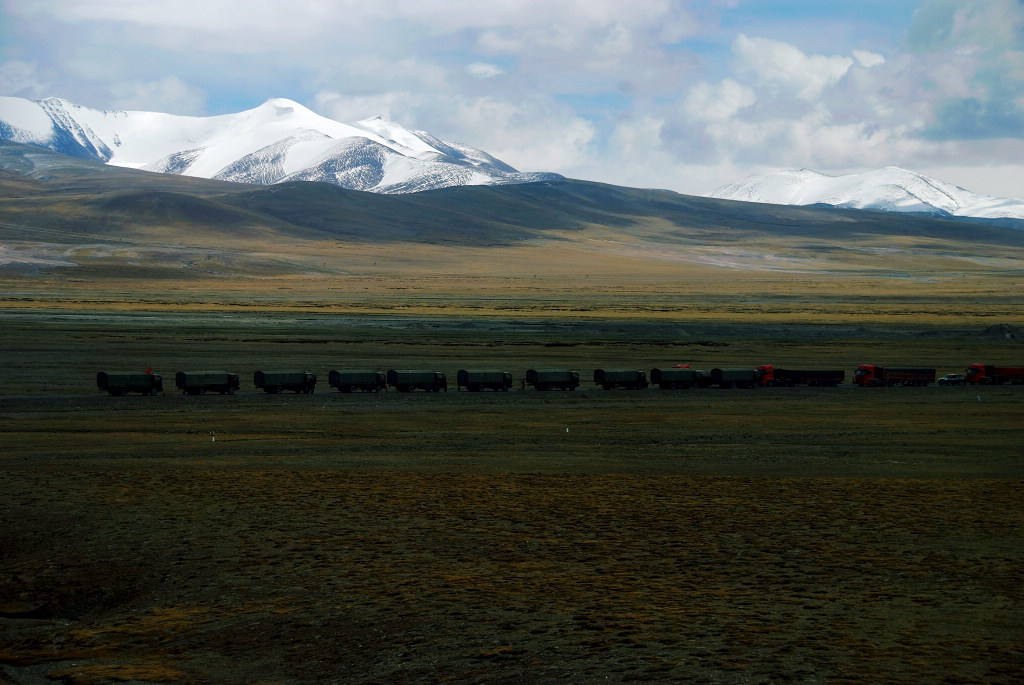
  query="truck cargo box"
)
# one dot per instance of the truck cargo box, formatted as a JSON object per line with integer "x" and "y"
{"x": 351, "y": 380}
{"x": 487, "y": 379}
{"x": 872, "y": 375}
{"x": 201, "y": 382}
{"x": 734, "y": 378}
{"x": 769, "y": 375}
{"x": 123, "y": 382}
{"x": 407, "y": 380}
{"x": 630, "y": 379}
{"x": 279, "y": 381}
{"x": 549, "y": 379}
{"x": 672, "y": 378}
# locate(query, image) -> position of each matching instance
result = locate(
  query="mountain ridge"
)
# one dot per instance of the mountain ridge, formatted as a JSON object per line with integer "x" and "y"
{"x": 36, "y": 179}
{"x": 277, "y": 141}
{"x": 891, "y": 189}
{"x": 58, "y": 212}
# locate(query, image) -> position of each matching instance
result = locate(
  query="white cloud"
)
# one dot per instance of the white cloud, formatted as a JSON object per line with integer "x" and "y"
{"x": 22, "y": 79}
{"x": 637, "y": 138}
{"x": 535, "y": 134}
{"x": 484, "y": 70}
{"x": 168, "y": 94}
{"x": 982, "y": 176}
{"x": 718, "y": 103}
{"x": 531, "y": 134}
{"x": 399, "y": 106}
{"x": 784, "y": 66}
{"x": 868, "y": 59}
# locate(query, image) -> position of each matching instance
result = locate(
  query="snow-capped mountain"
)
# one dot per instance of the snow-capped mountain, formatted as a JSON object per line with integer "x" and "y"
{"x": 891, "y": 189}
{"x": 278, "y": 141}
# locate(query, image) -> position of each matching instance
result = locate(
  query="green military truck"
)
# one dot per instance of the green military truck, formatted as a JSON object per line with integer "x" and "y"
{"x": 630, "y": 379}
{"x": 351, "y": 380}
{"x": 407, "y": 380}
{"x": 202, "y": 382}
{"x": 476, "y": 380}
{"x": 279, "y": 381}
{"x": 549, "y": 379}
{"x": 124, "y": 382}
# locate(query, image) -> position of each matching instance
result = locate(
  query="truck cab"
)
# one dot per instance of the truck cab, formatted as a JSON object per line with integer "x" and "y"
{"x": 868, "y": 374}
{"x": 976, "y": 374}
{"x": 765, "y": 374}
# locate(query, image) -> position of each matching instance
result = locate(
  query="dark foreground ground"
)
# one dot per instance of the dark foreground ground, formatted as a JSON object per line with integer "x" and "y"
{"x": 776, "y": 535}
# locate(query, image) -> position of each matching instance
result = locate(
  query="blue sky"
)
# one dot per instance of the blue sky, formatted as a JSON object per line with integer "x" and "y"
{"x": 681, "y": 94}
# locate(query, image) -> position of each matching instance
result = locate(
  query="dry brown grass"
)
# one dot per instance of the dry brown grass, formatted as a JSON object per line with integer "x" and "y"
{"x": 533, "y": 282}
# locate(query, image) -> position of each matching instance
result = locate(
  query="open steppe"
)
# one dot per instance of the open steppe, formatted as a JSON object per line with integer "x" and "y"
{"x": 721, "y": 536}
{"x": 774, "y": 535}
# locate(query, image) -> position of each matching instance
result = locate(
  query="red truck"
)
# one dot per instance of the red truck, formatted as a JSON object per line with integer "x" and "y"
{"x": 871, "y": 375}
{"x": 986, "y": 374}
{"x": 767, "y": 374}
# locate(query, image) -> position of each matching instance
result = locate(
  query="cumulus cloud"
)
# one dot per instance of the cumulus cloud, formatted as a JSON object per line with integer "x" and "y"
{"x": 532, "y": 134}
{"x": 784, "y": 66}
{"x": 169, "y": 94}
{"x": 399, "y": 106}
{"x": 535, "y": 134}
{"x": 718, "y": 103}
{"x": 971, "y": 54}
{"x": 941, "y": 25}
{"x": 484, "y": 70}
{"x": 868, "y": 59}
{"x": 22, "y": 79}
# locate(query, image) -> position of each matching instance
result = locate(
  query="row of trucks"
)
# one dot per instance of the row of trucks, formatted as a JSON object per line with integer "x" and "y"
{"x": 766, "y": 375}
{"x": 408, "y": 380}
{"x": 475, "y": 380}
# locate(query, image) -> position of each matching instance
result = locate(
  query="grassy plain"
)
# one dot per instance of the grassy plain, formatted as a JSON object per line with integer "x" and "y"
{"x": 775, "y": 535}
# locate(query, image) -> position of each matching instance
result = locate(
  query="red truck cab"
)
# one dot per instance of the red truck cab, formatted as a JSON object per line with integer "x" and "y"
{"x": 868, "y": 374}
{"x": 975, "y": 374}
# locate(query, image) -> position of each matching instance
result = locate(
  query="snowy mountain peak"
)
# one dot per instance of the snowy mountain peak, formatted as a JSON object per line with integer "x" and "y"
{"x": 279, "y": 140}
{"x": 890, "y": 189}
